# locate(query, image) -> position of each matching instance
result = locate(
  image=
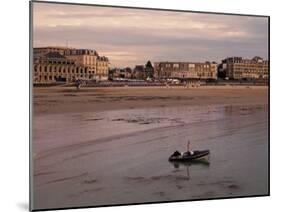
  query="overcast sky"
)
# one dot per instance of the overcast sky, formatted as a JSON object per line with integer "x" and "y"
{"x": 131, "y": 36}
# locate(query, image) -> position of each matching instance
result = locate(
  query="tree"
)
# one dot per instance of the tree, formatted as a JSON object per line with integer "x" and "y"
{"x": 149, "y": 69}
{"x": 148, "y": 64}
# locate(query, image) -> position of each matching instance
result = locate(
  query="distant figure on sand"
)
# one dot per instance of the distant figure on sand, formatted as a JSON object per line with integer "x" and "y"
{"x": 78, "y": 84}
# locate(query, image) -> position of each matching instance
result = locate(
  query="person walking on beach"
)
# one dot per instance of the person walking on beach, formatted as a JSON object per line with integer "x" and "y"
{"x": 77, "y": 84}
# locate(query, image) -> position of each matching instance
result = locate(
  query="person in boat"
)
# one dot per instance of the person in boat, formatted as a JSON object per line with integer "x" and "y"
{"x": 176, "y": 154}
{"x": 189, "y": 152}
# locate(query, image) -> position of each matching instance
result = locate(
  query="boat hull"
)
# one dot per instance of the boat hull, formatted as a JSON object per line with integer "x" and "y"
{"x": 197, "y": 155}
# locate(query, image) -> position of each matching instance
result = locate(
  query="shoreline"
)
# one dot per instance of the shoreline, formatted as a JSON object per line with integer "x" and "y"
{"x": 56, "y": 100}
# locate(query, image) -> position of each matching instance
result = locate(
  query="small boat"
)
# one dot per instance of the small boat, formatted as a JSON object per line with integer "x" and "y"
{"x": 189, "y": 155}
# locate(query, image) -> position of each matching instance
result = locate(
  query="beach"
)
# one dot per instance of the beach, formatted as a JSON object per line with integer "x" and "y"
{"x": 68, "y": 99}
{"x": 108, "y": 146}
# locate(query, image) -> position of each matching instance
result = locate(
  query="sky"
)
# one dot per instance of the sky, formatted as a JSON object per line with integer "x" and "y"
{"x": 130, "y": 37}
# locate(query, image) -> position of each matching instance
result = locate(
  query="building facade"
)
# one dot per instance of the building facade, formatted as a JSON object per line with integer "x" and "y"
{"x": 54, "y": 67}
{"x": 239, "y": 68}
{"x": 68, "y": 64}
{"x": 102, "y": 68}
{"x": 125, "y": 73}
{"x": 139, "y": 72}
{"x": 185, "y": 70}
{"x": 84, "y": 57}
{"x": 90, "y": 58}
{"x": 41, "y": 51}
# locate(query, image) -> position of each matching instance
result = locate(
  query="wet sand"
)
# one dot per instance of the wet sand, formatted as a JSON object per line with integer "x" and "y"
{"x": 115, "y": 150}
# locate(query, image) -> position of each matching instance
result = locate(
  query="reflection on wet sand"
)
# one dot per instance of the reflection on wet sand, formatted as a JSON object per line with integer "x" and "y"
{"x": 188, "y": 165}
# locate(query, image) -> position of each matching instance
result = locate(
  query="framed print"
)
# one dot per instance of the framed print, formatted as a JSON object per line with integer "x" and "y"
{"x": 145, "y": 105}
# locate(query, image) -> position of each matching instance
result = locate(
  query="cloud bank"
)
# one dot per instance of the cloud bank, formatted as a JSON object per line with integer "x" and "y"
{"x": 133, "y": 36}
